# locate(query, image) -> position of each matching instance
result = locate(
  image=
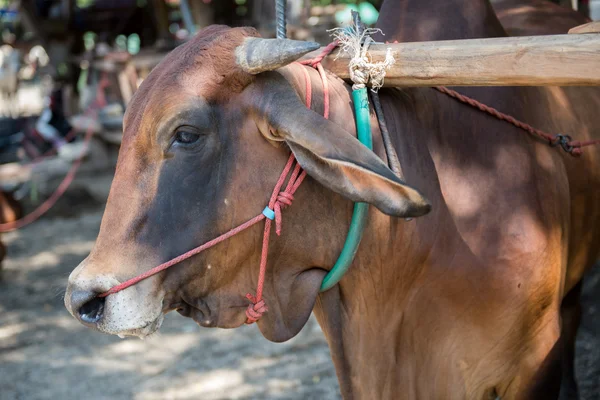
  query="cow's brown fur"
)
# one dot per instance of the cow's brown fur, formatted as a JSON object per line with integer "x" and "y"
{"x": 462, "y": 303}
{"x": 541, "y": 17}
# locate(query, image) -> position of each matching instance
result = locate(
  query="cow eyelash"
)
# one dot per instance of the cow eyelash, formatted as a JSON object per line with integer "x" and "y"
{"x": 186, "y": 137}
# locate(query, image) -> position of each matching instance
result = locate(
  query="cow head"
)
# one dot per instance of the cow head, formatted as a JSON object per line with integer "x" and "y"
{"x": 205, "y": 139}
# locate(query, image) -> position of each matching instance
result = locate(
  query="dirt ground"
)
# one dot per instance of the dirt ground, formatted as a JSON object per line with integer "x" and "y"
{"x": 46, "y": 354}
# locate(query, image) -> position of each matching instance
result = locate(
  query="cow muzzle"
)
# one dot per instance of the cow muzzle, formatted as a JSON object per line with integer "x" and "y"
{"x": 136, "y": 311}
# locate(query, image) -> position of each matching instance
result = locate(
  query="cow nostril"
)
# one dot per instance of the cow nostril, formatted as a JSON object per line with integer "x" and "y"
{"x": 92, "y": 311}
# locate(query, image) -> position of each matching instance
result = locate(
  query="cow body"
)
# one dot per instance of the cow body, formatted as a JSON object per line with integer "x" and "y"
{"x": 461, "y": 303}
{"x": 513, "y": 228}
{"x": 540, "y": 17}
{"x": 469, "y": 304}
{"x": 508, "y": 239}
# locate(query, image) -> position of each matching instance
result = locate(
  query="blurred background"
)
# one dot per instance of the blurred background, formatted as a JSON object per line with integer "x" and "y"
{"x": 68, "y": 69}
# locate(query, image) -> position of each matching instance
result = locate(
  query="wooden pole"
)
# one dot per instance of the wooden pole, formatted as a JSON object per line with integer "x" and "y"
{"x": 554, "y": 60}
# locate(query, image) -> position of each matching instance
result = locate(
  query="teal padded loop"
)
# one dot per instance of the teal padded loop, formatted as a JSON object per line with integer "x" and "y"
{"x": 361, "y": 210}
{"x": 267, "y": 212}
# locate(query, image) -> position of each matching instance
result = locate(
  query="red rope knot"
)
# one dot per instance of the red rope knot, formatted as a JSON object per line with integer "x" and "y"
{"x": 284, "y": 199}
{"x": 568, "y": 145}
{"x": 255, "y": 310}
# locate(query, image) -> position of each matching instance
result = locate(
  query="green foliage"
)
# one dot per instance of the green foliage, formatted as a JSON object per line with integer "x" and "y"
{"x": 62, "y": 69}
{"x": 84, "y": 3}
{"x": 133, "y": 43}
{"x": 121, "y": 42}
{"x": 89, "y": 40}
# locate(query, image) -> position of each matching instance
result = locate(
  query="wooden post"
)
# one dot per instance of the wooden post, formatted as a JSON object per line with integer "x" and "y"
{"x": 202, "y": 13}
{"x": 554, "y": 60}
{"x": 162, "y": 18}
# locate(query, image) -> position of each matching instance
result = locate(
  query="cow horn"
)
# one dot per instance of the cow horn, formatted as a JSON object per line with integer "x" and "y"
{"x": 258, "y": 55}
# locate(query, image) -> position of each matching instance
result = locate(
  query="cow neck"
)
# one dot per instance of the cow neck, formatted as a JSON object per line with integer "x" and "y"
{"x": 418, "y": 20}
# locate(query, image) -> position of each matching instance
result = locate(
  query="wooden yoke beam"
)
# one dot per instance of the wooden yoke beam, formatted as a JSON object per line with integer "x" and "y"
{"x": 553, "y": 60}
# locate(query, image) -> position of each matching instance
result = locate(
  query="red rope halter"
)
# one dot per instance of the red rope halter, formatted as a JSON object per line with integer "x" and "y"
{"x": 280, "y": 199}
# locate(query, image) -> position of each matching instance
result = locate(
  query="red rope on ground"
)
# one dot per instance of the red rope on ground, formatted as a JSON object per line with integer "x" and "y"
{"x": 574, "y": 147}
{"x": 278, "y": 202}
{"x": 67, "y": 180}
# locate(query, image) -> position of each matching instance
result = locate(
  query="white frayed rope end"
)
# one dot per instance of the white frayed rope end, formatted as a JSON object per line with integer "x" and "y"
{"x": 362, "y": 71}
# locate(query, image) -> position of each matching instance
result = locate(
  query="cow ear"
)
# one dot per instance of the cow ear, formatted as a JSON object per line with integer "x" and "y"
{"x": 334, "y": 157}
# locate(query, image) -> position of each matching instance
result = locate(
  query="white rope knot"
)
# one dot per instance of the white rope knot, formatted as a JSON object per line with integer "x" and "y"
{"x": 362, "y": 69}
{"x": 358, "y": 74}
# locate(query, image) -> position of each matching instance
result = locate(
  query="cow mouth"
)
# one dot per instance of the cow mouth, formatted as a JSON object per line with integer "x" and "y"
{"x": 200, "y": 313}
{"x": 145, "y": 331}
{"x": 208, "y": 312}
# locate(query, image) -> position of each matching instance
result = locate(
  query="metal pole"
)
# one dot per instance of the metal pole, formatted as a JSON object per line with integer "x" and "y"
{"x": 187, "y": 16}
{"x": 280, "y": 6}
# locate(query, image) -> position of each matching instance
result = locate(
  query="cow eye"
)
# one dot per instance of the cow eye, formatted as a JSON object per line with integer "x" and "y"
{"x": 186, "y": 137}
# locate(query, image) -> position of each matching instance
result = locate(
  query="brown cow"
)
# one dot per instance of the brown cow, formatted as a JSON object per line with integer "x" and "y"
{"x": 461, "y": 303}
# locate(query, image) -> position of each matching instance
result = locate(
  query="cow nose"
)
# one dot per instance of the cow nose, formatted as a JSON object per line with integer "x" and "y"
{"x": 87, "y": 306}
